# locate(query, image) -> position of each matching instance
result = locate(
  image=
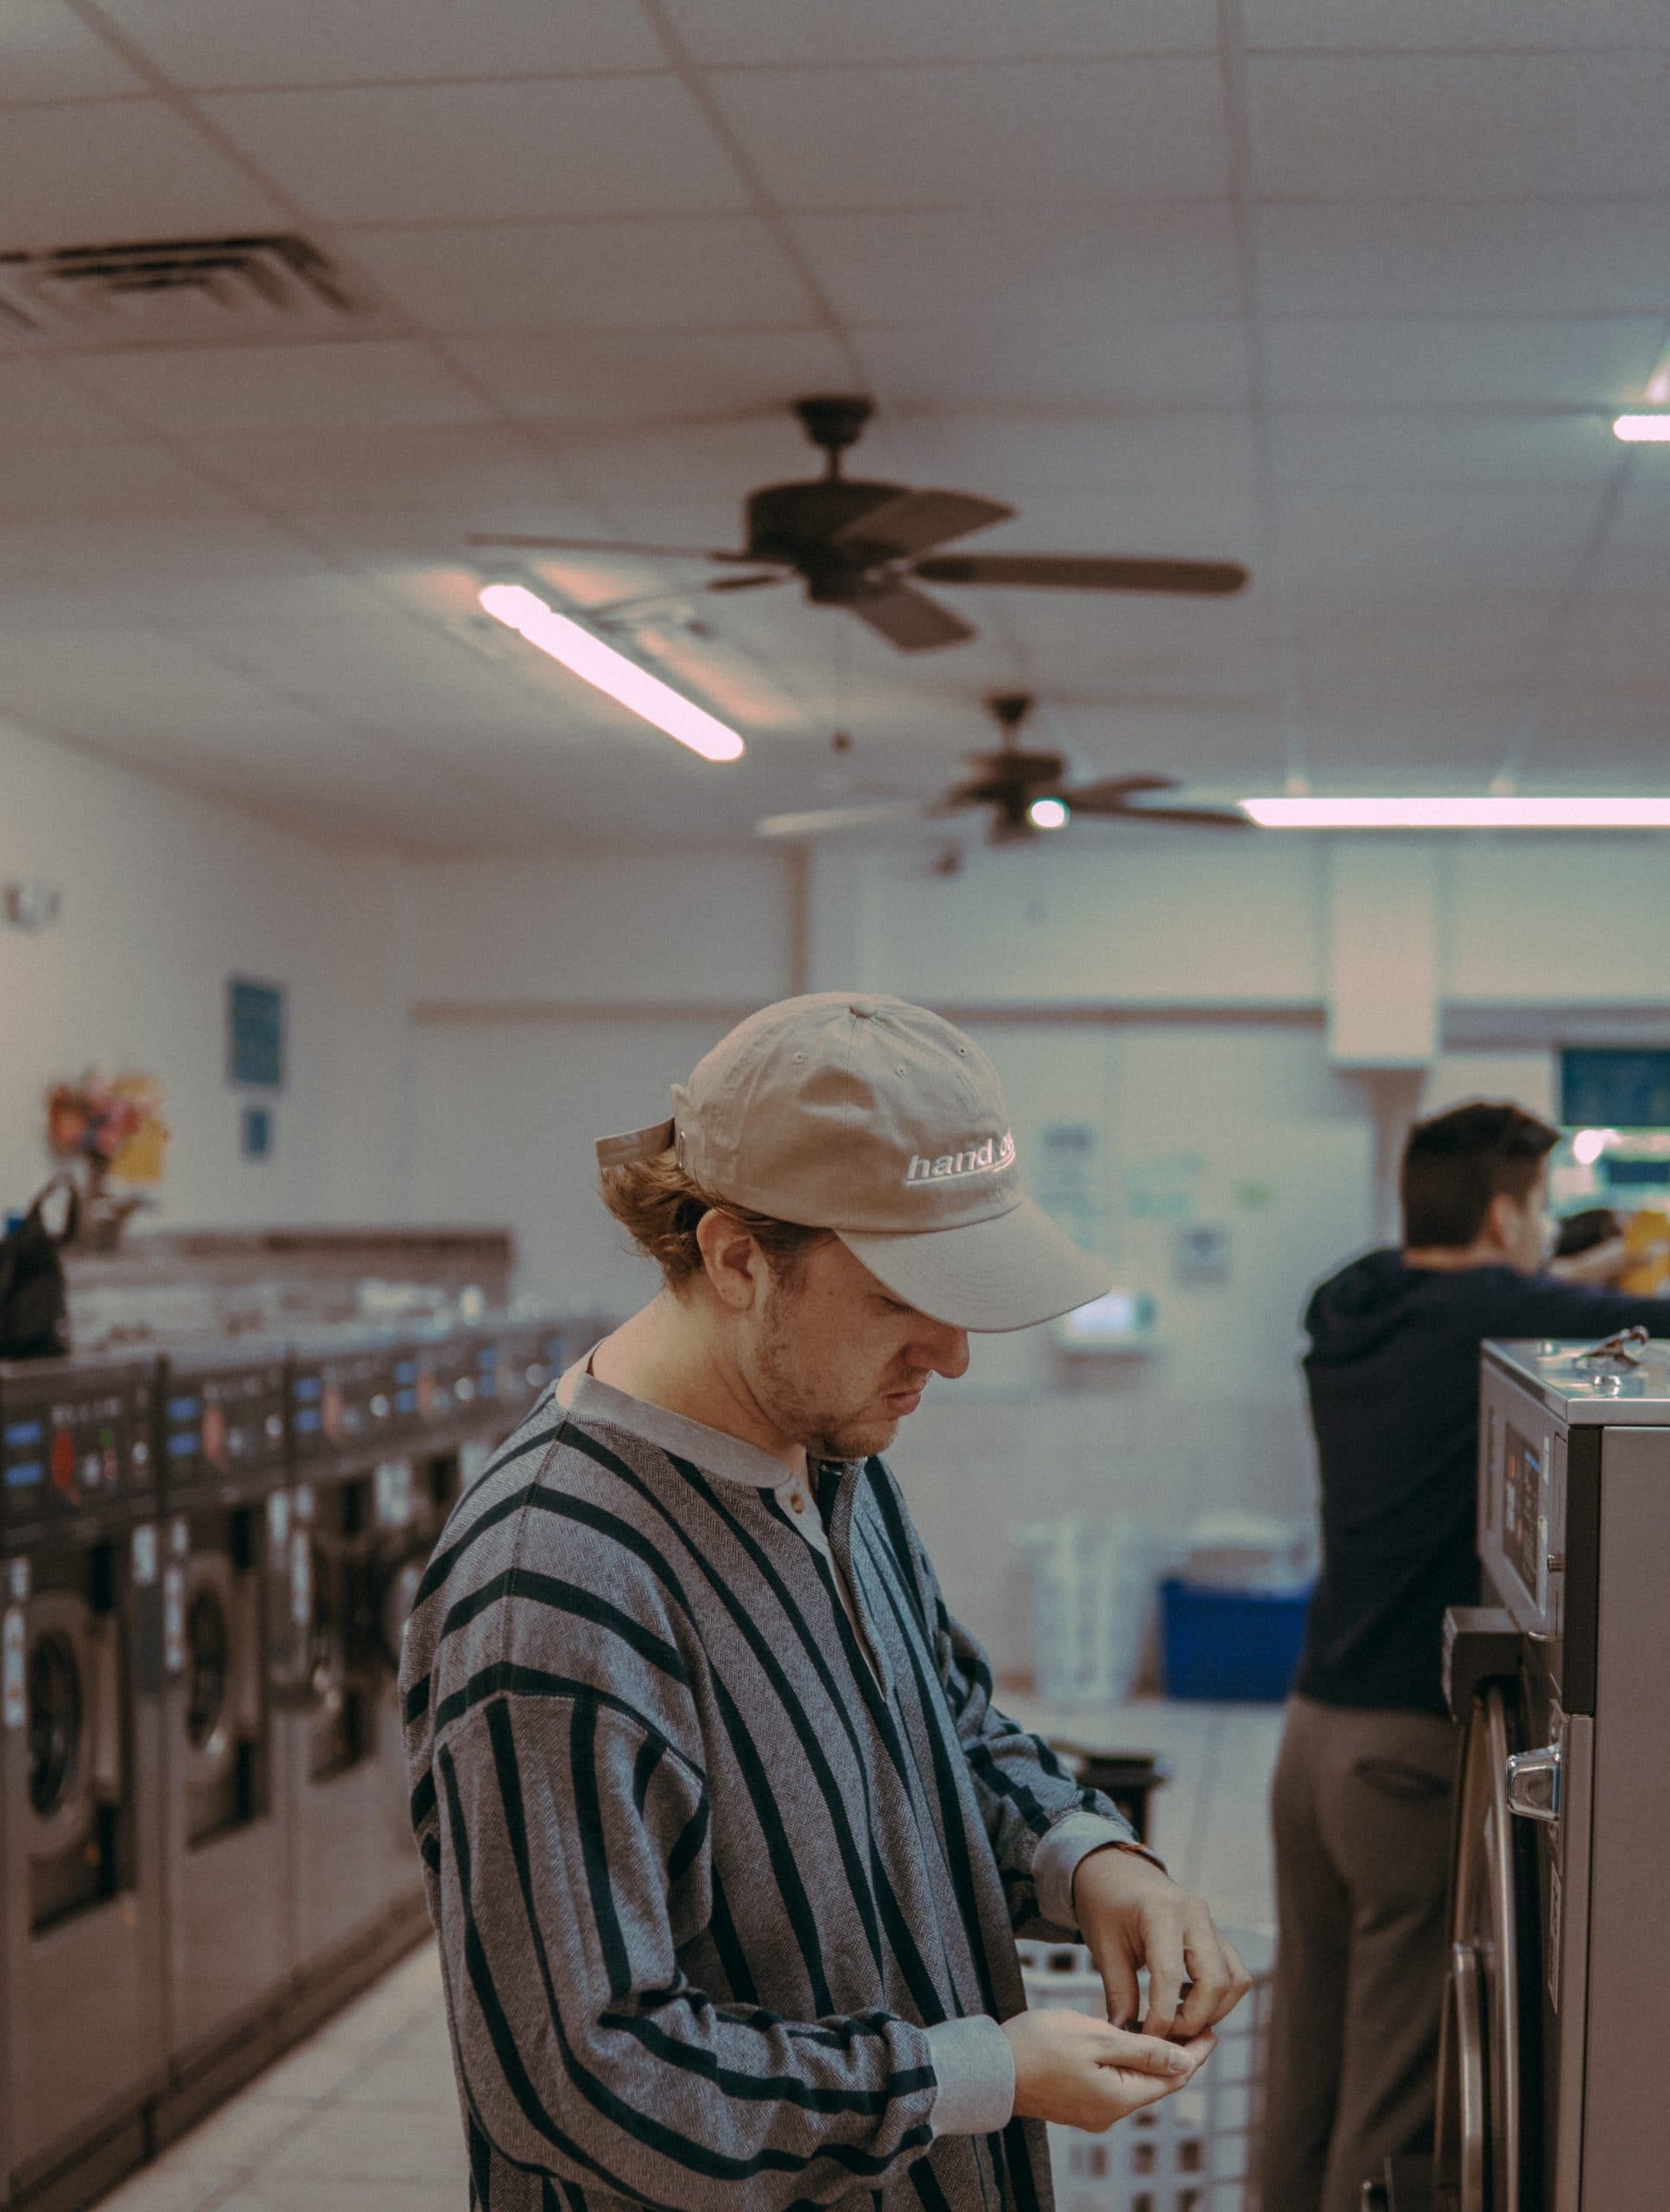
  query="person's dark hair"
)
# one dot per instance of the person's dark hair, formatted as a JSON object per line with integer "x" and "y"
{"x": 1582, "y": 1231}
{"x": 1454, "y": 1164}
{"x": 659, "y": 1207}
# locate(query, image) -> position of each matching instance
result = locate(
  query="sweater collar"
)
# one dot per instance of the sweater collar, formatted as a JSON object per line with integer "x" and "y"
{"x": 731, "y": 1459}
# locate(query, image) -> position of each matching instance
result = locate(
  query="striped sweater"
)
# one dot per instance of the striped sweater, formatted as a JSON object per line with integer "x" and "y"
{"x": 725, "y": 1844}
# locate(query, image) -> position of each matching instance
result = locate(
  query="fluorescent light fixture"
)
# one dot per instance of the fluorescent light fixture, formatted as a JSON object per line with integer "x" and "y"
{"x": 1643, "y": 429}
{"x": 1488, "y": 810}
{"x": 586, "y": 656}
{"x": 1589, "y": 1144}
{"x": 1048, "y": 814}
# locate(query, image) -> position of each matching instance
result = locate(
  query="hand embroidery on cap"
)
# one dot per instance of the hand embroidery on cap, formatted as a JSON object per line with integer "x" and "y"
{"x": 988, "y": 1159}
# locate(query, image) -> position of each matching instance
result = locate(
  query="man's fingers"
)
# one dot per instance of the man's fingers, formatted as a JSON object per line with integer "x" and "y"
{"x": 1118, "y": 1985}
{"x": 1219, "y": 1980}
{"x": 1165, "y": 1977}
{"x": 1147, "y": 2055}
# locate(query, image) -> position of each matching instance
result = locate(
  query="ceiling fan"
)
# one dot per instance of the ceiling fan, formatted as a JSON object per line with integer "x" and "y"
{"x": 1026, "y": 792}
{"x": 867, "y": 546}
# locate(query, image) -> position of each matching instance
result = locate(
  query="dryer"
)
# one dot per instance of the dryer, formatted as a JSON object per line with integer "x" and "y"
{"x": 228, "y": 1656}
{"x": 81, "y": 2046}
{"x": 1557, "y": 2011}
{"x": 352, "y": 1889}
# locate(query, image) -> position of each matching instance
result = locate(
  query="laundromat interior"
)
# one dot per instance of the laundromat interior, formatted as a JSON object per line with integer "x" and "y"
{"x": 531, "y": 532}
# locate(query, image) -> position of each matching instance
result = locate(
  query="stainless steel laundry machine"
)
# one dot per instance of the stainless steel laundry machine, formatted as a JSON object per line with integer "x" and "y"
{"x": 229, "y": 1654}
{"x": 353, "y": 1884}
{"x": 81, "y": 2046}
{"x": 1556, "y": 2011}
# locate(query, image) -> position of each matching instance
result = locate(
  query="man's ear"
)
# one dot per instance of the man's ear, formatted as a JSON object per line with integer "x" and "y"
{"x": 1502, "y": 1221}
{"x": 735, "y": 1266}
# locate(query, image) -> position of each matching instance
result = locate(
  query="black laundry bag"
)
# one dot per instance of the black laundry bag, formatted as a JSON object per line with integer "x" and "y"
{"x": 33, "y": 1305}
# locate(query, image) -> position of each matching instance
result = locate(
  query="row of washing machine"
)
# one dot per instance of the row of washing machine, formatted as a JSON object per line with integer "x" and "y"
{"x": 206, "y": 1560}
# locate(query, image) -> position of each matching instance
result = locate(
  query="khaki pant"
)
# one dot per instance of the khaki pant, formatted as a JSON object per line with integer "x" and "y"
{"x": 1361, "y": 1808}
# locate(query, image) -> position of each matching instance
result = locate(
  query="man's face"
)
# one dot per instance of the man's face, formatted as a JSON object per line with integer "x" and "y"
{"x": 837, "y": 1362}
{"x": 1524, "y": 1229}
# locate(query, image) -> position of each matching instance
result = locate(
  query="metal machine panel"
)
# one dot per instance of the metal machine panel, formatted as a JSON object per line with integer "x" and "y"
{"x": 1626, "y": 2150}
{"x": 222, "y": 1451}
{"x": 80, "y": 1882}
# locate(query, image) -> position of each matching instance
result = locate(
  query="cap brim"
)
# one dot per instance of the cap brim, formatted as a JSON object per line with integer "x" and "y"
{"x": 1011, "y": 1272}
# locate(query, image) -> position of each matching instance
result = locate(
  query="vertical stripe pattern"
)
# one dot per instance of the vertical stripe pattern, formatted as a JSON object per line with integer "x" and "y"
{"x": 704, "y": 1875}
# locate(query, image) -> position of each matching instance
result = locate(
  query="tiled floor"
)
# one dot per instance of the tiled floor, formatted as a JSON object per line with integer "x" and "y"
{"x": 363, "y": 2118}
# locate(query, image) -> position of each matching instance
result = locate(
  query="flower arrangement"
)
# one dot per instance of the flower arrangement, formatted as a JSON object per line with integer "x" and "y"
{"x": 114, "y": 1125}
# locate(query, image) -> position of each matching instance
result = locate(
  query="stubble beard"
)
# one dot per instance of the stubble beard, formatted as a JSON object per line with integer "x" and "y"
{"x": 824, "y": 1433}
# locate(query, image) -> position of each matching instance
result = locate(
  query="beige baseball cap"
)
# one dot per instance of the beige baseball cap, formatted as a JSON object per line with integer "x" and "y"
{"x": 877, "y": 1120}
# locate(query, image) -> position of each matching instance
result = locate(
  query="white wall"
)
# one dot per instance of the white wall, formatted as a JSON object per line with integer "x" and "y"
{"x": 164, "y": 897}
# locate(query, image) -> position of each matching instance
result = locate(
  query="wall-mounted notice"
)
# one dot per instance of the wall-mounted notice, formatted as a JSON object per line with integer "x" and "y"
{"x": 1069, "y": 1185}
{"x": 255, "y": 1033}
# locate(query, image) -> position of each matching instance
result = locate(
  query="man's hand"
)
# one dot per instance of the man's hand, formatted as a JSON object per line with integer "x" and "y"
{"x": 1131, "y": 1915}
{"x": 1081, "y": 2073}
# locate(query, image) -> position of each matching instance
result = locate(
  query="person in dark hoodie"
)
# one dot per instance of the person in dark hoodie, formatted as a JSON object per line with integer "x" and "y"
{"x": 1360, "y": 1801}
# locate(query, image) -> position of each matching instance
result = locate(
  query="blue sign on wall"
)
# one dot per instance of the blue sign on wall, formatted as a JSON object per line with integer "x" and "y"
{"x": 255, "y": 1033}
{"x": 256, "y": 1132}
{"x": 1607, "y": 1087}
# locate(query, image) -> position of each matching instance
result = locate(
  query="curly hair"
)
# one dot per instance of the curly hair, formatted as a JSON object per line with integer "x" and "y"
{"x": 659, "y": 1207}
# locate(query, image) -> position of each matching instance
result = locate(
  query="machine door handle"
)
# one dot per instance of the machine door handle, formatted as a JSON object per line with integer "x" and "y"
{"x": 1533, "y": 1784}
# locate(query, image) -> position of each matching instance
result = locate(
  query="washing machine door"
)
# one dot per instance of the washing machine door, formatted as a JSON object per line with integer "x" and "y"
{"x": 1489, "y": 2061}
{"x": 221, "y": 1705}
{"x": 72, "y": 1682}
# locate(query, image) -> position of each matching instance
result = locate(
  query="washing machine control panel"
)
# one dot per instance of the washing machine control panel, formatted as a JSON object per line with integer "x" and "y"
{"x": 220, "y": 1424}
{"x": 458, "y": 1379}
{"x": 342, "y": 1399}
{"x": 76, "y": 1443}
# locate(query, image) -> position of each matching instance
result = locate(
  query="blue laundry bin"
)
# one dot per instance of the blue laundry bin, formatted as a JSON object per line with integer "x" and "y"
{"x": 1231, "y": 1645}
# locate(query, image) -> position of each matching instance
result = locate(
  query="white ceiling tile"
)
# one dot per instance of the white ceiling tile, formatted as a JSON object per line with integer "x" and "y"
{"x": 1040, "y": 132}
{"x": 248, "y": 42}
{"x": 409, "y": 470}
{"x": 1475, "y": 362}
{"x": 114, "y": 170}
{"x": 144, "y": 568}
{"x": 1026, "y": 264}
{"x": 1106, "y": 363}
{"x": 620, "y": 377}
{"x": 1022, "y": 458}
{"x": 1420, "y": 257}
{"x": 277, "y": 388}
{"x": 876, "y": 32}
{"x": 1460, "y": 127}
{"x": 485, "y": 152}
{"x": 694, "y": 272}
{"x": 139, "y": 483}
{"x": 1382, "y": 452}
{"x": 40, "y": 407}
{"x": 47, "y": 53}
{"x": 1434, "y": 25}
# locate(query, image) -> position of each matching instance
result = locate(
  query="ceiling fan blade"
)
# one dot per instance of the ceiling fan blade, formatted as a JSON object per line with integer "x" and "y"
{"x": 517, "y": 544}
{"x": 1082, "y": 572}
{"x": 1193, "y": 817}
{"x": 1110, "y": 793}
{"x": 910, "y": 620}
{"x": 820, "y": 821}
{"x": 747, "y": 584}
{"x": 916, "y": 520}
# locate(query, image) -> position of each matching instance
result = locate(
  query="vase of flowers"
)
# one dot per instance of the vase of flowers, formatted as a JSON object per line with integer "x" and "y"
{"x": 113, "y": 1126}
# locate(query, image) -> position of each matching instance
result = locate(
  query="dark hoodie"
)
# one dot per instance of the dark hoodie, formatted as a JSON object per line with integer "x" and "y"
{"x": 1393, "y": 1376}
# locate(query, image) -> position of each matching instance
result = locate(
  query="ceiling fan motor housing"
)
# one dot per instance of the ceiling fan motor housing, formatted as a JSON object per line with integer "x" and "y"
{"x": 798, "y": 523}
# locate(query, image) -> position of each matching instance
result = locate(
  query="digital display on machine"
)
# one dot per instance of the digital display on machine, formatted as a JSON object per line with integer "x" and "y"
{"x": 1522, "y": 1508}
{"x": 25, "y": 1474}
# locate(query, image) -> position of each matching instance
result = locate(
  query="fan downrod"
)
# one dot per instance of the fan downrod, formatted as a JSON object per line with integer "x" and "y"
{"x": 833, "y": 422}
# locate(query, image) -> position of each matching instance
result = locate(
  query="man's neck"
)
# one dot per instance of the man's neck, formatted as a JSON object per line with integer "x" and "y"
{"x": 1455, "y": 1259}
{"x": 669, "y": 1355}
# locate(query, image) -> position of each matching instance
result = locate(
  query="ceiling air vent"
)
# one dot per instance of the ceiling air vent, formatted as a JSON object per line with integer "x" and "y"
{"x": 180, "y": 292}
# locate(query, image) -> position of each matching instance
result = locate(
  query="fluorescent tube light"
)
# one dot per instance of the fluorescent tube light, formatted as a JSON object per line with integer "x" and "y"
{"x": 1486, "y": 811}
{"x": 1642, "y": 429}
{"x": 1048, "y": 814}
{"x": 586, "y": 656}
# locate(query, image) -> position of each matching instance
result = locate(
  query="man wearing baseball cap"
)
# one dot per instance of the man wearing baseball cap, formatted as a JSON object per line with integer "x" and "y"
{"x": 727, "y": 1844}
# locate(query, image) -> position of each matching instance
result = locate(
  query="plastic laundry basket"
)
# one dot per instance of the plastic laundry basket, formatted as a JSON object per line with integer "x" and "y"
{"x": 1192, "y": 2152}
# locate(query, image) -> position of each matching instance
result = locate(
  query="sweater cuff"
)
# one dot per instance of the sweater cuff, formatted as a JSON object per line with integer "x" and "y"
{"x": 1060, "y": 1853}
{"x": 975, "y": 2070}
